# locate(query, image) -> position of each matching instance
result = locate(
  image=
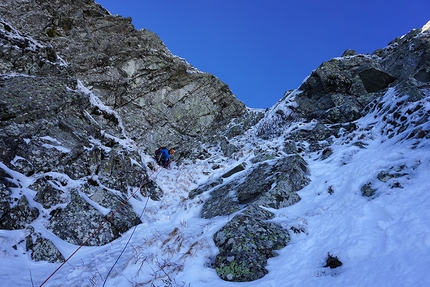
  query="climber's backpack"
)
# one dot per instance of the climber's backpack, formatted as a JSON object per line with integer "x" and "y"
{"x": 158, "y": 153}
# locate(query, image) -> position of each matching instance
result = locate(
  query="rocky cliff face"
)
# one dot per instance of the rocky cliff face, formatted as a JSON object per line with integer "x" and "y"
{"x": 83, "y": 94}
{"x": 84, "y": 98}
{"x": 161, "y": 99}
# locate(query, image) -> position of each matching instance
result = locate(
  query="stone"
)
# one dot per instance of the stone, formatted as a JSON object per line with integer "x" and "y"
{"x": 245, "y": 244}
{"x": 18, "y": 216}
{"x": 44, "y": 250}
{"x": 367, "y": 190}
{"x": 271, "y": 185}
{"x": 78, "y": 222}
{"x": 339, "y": 89}
{"x": 236, "y": 169}
{"x": 121, "y": 216}
{"x": 47, "y": 194}
{"x": 205, "y": 187}
{"x": 278, "y": 197}
{"x": 332, "y": 261}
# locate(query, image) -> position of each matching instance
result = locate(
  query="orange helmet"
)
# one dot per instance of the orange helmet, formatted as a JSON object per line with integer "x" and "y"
{"x": 171, "y": 151}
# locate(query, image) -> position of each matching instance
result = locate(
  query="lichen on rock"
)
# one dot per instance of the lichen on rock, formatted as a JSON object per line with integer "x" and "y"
{"x": 245, "y": 244}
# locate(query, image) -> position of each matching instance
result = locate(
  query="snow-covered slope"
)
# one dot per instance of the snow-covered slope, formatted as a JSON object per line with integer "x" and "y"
{"x": 382, "y": 240}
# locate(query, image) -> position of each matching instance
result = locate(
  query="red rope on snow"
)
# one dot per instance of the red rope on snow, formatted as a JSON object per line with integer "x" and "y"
{"x": 98, "y": 229}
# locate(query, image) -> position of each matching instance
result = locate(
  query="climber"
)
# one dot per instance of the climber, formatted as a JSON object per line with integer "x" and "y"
{"x": 162, "y": 156}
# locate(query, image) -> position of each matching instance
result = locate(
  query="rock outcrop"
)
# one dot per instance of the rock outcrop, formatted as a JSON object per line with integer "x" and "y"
{"x": 245, "y": 244}
{"x": 272, "y": 184}
{"x": 339, "y": 90}
{"x": 161, "y": 99}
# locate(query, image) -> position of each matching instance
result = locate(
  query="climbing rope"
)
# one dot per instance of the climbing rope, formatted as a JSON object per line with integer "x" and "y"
{"x": 100, "y": 227}
{"x": 134, "y": 229}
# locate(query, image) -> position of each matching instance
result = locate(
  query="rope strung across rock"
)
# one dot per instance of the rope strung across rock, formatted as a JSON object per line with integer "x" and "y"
{"x": 134, "y": 229}
{"x": 98, "y": 229}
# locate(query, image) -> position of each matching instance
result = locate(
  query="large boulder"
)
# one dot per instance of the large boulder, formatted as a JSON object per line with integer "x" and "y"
{"x": 80, "y": 222}
{"x": 245, "y": 244}
{"x": 272, "y": 183}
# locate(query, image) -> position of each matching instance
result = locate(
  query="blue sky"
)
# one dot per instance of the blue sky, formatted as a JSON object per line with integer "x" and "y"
{"x": 260, "y": 49}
